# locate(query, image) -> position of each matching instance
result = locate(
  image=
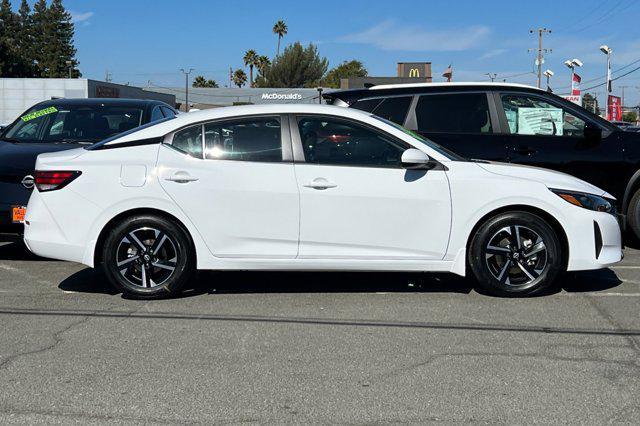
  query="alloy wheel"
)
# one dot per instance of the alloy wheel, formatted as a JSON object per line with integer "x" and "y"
{"x": 146, "y": 257}
{"x": 516, "y": 255}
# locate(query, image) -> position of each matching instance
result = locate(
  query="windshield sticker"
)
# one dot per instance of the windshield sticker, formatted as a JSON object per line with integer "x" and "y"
{"x": 38, "y": 113}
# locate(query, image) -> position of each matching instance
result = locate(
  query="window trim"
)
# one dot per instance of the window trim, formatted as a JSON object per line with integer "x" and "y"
{"x": 298, "y": 150}
{"x": 505, "y": 124}
{"x": 285, "y": 137}
{"x": 493, "y": 113}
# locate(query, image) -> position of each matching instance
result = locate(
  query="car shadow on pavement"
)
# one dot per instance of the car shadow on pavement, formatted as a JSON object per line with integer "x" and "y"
{"x": 240, "y": 282}
{"x": 14, "y": 249}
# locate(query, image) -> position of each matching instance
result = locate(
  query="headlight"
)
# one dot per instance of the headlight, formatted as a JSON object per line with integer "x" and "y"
{"x": 586, "y": 201}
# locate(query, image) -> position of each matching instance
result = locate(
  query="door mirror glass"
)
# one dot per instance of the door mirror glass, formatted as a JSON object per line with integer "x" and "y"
{"x": 414, "y": 159}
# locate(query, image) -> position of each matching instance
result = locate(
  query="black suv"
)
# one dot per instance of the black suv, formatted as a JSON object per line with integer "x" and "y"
{"x": 58, "y": 125}
{"x": 516, "y": 124}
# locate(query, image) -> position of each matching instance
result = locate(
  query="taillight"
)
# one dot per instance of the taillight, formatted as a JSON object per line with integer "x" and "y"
{"x": 50, "y": 180}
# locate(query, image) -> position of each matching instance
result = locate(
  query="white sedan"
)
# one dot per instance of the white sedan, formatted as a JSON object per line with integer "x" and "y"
{"x": 309, "y": 187}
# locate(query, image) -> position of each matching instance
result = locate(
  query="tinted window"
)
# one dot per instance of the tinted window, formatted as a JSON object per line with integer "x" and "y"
{"x": 534, "y": 116}
{"x": 156, "y": 114}
{"x": 338, "y": 142}
{"x": 256, "y": 139}
{"x": 367, "y": 105}
{"x": 394, "y": 109}
{"x": 168, "y": 112}
{"x": 73, "y": 123}
{"x": 189, "y": 140}
{"x": 454, "y": 113}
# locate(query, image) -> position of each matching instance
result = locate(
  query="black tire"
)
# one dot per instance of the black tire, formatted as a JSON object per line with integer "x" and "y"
{"x": 506, "y": 260}
{"x": 145, "y": 248}
{"x": 633, "y": 214}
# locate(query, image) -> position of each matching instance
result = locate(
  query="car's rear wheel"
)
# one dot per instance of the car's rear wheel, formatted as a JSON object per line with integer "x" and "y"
{"x": 148, "y": 256}
{"x": 515, "y": 254}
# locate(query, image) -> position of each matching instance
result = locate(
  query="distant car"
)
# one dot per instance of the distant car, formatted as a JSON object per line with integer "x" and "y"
{"x": 514, "y": 123}
{"x": 58, "y": 125}
{"x": 309, "y": 187}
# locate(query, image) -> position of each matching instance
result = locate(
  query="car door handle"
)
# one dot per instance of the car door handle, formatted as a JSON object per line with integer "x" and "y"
{"x": 320, "y": 183}
{"x": 181, "y": 177}
{"x": 524, "y": 150}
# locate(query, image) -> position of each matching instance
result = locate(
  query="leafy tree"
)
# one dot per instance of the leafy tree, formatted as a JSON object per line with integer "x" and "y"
{"x": 344, "y": 70}
{"x": 263, "y": 63}
{"x": 200, "y": 81}
{"x": 9, "y": 53}
{"x": 239, "y": 78}
{"x": 280, "y": 28}
{"x": 630, "y": 117}
{"x": 25, "y": 40}
{"x": 251, "y": 60}
{"x": 590, "y": 103}
{"x": 296, "y": 67}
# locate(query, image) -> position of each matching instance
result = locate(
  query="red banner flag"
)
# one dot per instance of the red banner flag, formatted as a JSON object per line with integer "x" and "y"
{"x": 575, "y": 85}
{"x": 614, "y": 110}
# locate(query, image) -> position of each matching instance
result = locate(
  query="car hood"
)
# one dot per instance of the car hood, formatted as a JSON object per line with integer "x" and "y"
{"x": 550, "y": 178}
{"x": 20, "y": 158}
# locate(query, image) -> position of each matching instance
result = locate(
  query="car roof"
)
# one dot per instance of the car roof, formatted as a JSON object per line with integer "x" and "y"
{"x": 100, "y": 101}
{"x": 183, "y": 120}
{"x": 417, "y": 88}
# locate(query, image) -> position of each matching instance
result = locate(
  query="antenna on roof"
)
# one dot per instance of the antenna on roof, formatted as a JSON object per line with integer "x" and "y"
{"x": 368, "y": 85}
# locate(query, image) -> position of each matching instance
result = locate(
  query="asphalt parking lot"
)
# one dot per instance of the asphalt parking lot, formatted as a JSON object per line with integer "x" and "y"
{"x": 303, "y": 347}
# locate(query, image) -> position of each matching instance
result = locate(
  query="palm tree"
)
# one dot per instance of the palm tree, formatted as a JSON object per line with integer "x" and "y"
{"x": 251, "y": 60}
{"x": 280, "y": 28}
{"x": 239, "y": 78}
{"x": 263, "y": 63}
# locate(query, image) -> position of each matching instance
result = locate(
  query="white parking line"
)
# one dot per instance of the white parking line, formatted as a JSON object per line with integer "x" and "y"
{"x": 624, "y": 267}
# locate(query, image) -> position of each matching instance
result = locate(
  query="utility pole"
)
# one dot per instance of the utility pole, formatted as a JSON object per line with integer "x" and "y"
{"x": 540, "y": 51}
{"x": 186, "y": 88}
{"x": 623, "y": 87}
{"x": 107, "y": 76}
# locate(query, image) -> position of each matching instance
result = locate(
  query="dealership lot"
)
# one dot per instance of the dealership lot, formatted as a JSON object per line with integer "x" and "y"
{"x": 324, "y": 347}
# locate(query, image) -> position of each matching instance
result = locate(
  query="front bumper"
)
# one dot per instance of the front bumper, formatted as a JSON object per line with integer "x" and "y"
{"x": 595, "y": 241}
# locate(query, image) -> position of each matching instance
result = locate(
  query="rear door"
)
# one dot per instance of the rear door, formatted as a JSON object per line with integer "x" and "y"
{"x": 237, "y": 185}
{"x": 540, "y": 131}
{"x": 464, "y": 122}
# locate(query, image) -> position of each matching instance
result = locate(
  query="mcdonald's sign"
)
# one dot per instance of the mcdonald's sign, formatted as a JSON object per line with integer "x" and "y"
{"x": 420, "y": 70}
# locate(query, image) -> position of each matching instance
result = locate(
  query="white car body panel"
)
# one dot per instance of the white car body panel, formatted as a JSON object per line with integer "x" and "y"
{"x": 248, "y": 215}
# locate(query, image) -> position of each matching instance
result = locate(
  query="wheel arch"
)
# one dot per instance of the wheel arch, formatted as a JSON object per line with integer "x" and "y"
{"x": 553, "y": 222}
{"x": 632, "y": 186}
{"x": 97, "y": 250}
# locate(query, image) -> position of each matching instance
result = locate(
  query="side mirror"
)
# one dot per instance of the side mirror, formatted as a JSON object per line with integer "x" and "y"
{"x": 414, "y": 159}
{"x": 592, "y": 134}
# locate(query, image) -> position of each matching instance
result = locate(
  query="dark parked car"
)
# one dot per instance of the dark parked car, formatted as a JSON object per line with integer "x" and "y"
{"x": 58, "y": 125}
{"x": 517, "y": 124}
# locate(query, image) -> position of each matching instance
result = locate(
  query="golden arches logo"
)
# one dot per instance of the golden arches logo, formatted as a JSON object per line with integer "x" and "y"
{"x": 414, "y": 72}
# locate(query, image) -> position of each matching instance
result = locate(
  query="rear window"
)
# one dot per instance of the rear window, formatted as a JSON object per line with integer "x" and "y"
{"x": 454, "y": 113}
{"x": 78, "y": 124}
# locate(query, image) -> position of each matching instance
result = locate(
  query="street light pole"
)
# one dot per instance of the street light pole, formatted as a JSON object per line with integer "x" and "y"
{"x": 607, "y": 51}
{"x": 492, "y": 76}
{"x": 186, "y": 87}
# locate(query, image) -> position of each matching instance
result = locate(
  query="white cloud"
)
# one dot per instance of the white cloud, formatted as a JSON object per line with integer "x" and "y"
{"x": 493, "y": 53}
{"x": 77, "y": 17}
{"x": 390, "y": 35}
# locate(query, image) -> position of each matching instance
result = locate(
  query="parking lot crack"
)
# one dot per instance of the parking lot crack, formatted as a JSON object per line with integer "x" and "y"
{"x": 56, "y": 340}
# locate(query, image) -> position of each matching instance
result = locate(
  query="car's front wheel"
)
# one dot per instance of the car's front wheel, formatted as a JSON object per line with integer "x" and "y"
{"x": 515, "y": 254}
{"x": 148, "y": 256}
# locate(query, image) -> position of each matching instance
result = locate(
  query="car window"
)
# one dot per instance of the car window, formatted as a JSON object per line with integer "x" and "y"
{"x": 254, "y": 139}
{"x": 189, "y": 141}
{"x": 341, "y": 142}
{"x": 529, "y": 115}
{"x": 73, "y": 123}
{"x": 156, "y": 114}
{"x": 394, "y": 109}
{"x": 168, "y": 112}
{"x": 367, "y": 105}
{"x": 454, "y": 113}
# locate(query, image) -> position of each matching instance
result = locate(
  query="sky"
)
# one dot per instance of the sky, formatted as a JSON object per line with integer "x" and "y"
{"x": 148, "y": 41}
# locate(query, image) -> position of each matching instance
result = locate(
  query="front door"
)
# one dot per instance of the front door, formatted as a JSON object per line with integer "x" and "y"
{"x": 236, "y": 187}
{"x": 357, "y": 202}
{"x": 544, "y": 133}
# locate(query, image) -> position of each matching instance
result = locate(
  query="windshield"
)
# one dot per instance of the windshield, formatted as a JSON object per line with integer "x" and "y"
{"x": 431, "y": 144}
{"x": 72, "y": 124}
